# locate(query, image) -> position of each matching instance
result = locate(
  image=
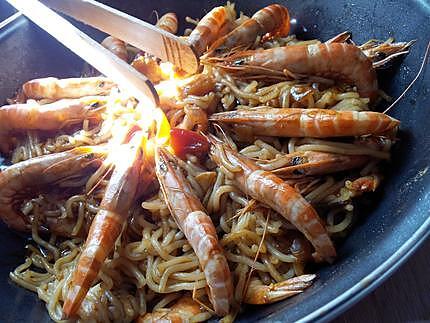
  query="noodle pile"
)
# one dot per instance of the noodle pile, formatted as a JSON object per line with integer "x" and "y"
{"x": 152, "y": 264}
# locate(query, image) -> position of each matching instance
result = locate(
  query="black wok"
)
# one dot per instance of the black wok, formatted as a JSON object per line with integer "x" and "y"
{"x": 391, "y": 225}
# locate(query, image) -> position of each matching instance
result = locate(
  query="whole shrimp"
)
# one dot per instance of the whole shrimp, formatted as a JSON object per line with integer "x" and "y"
{"x": 318, "y": 123}
{"x": 31, "y": 177}
{"x": 339, "y": 61}
{"x": 71, "y": 88}
{"x": 274, "y": 192}
{"x": 116, "y": 46}
{"x": 213, "y": 25}
{"x": 198, "y": 228}
{"x": 168, "y": 22}
{"x": 182, "y": 311}
{"x": 107, "y": 224}
{"x": 272, "y": 20}
{"x": 257, "y": 293}
{"x": 53, "y": 116}
{"x": 310, "y": 163}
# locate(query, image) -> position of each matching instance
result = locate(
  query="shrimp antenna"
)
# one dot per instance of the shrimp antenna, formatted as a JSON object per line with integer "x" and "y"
{"x": 226, "y": 138}
{"x": 257, "y": 254}
{"x": 102, "y": 178}
{"x": 423, "y": 64}
{"x": 155, "y": 12}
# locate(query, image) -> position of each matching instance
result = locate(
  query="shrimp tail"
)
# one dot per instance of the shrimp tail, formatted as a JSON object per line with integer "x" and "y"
{"x": 258, "y": 294}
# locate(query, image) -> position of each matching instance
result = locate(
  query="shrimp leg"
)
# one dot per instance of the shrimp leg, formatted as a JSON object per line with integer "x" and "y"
{"x": 197, "y": 226}
{"x": 273, "y": 191}
{"x": 107, "y": 224}
{"x": 317, "y": 123}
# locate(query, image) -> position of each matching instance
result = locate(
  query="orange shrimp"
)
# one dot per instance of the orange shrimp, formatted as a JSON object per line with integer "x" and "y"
{"x": 257, "y": 293}
{"x": 71, "y": 88}
{"x": 182, "y": 311}
{"x": 310, "y": 163}
{"x": 116, "y": 46}
{"x": 107, "y": 224}
{"x": 274, "y": 192}
{"x": 213, "y": 25}
{"x": 272, "y": 20}
{"x": 37, "y": 175}
{"x": 339, "y": 61}
{"x": 198, "y": 228}
{"x": 168, "y": 22}
{"x": 53, "y": 116}
{"x": 317, "y": 123}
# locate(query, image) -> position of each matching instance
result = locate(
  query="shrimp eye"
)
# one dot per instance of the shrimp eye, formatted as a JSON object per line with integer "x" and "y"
{"x": 298, "y": 172}
{"x": 102, "y": 84}
{"x": 297, "y": 160}
{"x": 95, "y": 104}
{"x": 380, "y": 55}
{"x": 239, "y": 62}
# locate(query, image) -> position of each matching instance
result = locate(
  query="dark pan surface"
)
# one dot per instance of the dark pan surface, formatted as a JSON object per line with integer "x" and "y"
{"x": 391, "y": 226}
{"x": 5, "y": 10}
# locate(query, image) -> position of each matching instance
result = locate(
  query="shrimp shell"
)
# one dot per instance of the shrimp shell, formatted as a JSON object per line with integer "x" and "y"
{"x": 317, "y": 123}
{"x": 168, "y": 22}
{"x": 70, "y": 88}
{"x": 339, "y": 61}
{"x": 197, "y": 226}
{"x": 273, "y": 191}
{"x": 273, "y": 20}
{"x": 116, "y": 46}
{"x": 310, "y": 163}
{"x": 213, "y": 25}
